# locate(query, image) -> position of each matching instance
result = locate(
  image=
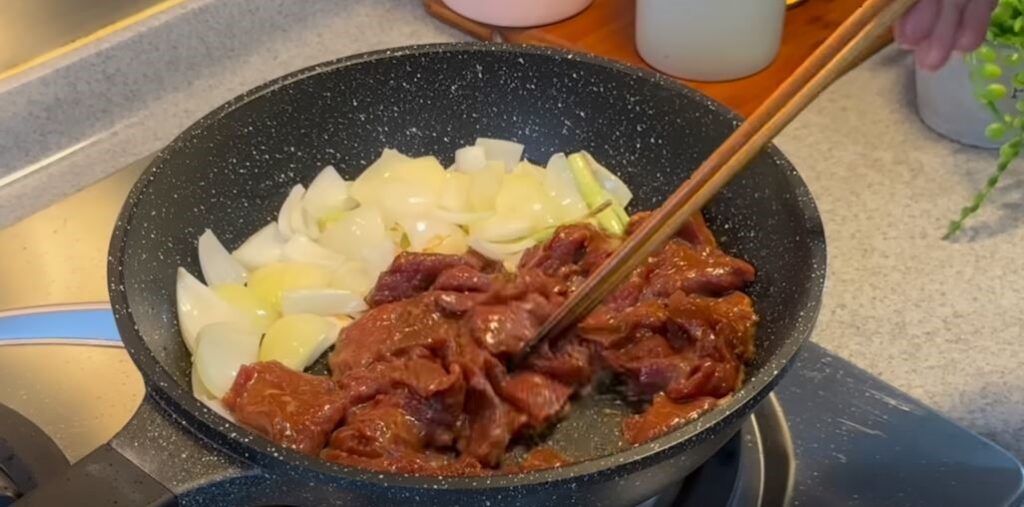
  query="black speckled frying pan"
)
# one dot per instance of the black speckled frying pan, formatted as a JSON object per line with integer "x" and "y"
{"x": 231, "y": 171}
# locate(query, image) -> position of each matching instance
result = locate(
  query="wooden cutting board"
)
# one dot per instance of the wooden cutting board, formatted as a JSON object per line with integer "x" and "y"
{"x": 606, "y": 28}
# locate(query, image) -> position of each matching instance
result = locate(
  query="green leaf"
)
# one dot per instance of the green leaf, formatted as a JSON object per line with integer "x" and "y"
{"x": 991, "y": 71}
{"x": 995, "y": 131}
{"x": 994, "y": 92}
{"x": 986, "y": 54}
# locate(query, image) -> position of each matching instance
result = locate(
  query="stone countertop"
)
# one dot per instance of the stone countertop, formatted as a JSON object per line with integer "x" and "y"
{"x": 936, "y": 319}
{"x": 81, "y": 116}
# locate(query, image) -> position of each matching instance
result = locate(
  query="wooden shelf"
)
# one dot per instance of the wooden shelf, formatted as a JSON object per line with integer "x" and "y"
{"x": 606, "y": 28}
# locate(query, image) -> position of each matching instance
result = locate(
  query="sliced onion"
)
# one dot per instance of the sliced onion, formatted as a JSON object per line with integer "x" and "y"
{"x": 523, "y": 196}
{"x": 484, "y": 186}
{"x": 302, "y": 249}
{"x": 460, "y": 218}
{"x": 273, "y": 280}
{"x": 397, "y": 185}
{"x": 217, "y": 264}
{"x": 469, "y": 159}
{"x": 454, "y": 194}
{"x": 507, "y": 152}
{"x": 298, "y": 340}
{"x": 361, "y": 236}
{"x": 615, "y": 186}
{"x": 423, "y": 232}
{"x": 311, "y": 226}
{"x": 502, "y": 228}
{"x": 324, "y": 302}
{"x": 364, "y": 188}
{"x": 327, "y": 195}
{"x": 500, "y": 251}
{"x": 260, "y": 311}
{"x": 199, "y": 306}
{"x": 221, "y": 349}
{"x": 203, "y": 394}
{"x": 289, "y": 219}
{"x": 352, "y": 277}
{"x": 454, "y": 243}
{"x": 340, "y": 322}
{"x": 511, "y": 263}
{"x": 562, "y": 189}
{"x": 264, "y": 247}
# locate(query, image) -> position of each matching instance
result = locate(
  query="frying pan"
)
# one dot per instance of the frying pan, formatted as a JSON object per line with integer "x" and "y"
{"x": 231, "y": 170}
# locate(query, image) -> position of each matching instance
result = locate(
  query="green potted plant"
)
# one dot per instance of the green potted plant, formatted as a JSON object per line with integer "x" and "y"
{"x": 996, "y": 72}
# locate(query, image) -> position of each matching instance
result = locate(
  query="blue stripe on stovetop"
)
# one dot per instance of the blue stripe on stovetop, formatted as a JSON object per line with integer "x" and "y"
{"x": 85, "y": 325}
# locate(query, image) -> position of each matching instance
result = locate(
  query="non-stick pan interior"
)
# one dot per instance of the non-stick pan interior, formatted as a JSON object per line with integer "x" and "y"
{"x": 231, "y": 172}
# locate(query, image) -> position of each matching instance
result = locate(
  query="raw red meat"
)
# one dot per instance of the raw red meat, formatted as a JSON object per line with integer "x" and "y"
{"x": 421, "y": 384}
{"x": 291, "y": 408}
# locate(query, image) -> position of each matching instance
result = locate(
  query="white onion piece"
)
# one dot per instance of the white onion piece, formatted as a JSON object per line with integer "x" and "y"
{"x": 456, "y": 242}
{"x": 457, "y": 218}
{"x": 615, "y": 186}
{"x": 562, "y": 189}
{"x": 339, "y": 322}
{"x": 289, "y": 219}
{"x": 454, "y": 195}
{"x": 298, "y": 340}
{"x": 352, "y": 277}
{"x": 264, "y": 247}
{"x": 508, "y": 152}
{"x": 199, "y": 306}
{"x": 328, "y": 194}
{"x": 365, "y": 189}
{"x": 469, "y": 159}
{"x": 511, "y": 263}
{"x": 311, "y": 225}
{"x": 217, "y": 264}
{"x": 500, "y": 251}
{"x": 502, "y": 228}
{"x": 360, "y": 235}
{"x": 324, "y": 302}
{"x": 484, "y": 186}
{"x": 302, "y": 249}
{"x": 522, "y": 195}
{"x": 221, "y": 349}
{"x": 203, "y": 394}
{"x": 402, "y": 189}
{"x": 422, "y": 233}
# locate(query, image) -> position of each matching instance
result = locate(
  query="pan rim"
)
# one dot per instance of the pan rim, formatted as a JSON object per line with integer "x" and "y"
{"x": 262, "y": 452}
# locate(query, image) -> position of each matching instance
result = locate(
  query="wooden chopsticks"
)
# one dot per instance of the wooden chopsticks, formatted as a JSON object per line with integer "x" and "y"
{"x": 824, "y": 66}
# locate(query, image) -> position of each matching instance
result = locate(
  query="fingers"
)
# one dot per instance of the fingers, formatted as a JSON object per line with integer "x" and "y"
{"x": 974, "y": 24}
{"x": 932, "y": 54}
{"x": 916, "y": 25}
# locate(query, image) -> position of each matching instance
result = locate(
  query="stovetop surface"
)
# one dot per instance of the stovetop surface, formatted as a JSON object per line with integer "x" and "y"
{"x": 831, "y": 434}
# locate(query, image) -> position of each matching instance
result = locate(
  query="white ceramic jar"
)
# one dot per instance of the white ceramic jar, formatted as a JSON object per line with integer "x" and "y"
{"x": 947, "y": 103}
{"x": 709, "y": 40}
{"x": 517, "y": 13}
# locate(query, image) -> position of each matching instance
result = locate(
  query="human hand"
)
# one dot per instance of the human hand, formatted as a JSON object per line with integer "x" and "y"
{"x": 933, "y": 29}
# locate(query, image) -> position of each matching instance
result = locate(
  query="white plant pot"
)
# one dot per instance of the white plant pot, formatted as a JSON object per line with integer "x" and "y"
{"x": 947, "y": 103}
{"x": 709, "y": 40}
{"x": 517, "y": 13}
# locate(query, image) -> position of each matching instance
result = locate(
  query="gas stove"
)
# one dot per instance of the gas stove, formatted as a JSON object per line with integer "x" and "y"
{"x": 830, "y": 434}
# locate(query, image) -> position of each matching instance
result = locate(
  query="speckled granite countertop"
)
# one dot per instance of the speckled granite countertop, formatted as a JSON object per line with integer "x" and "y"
{"x": 936, "y": 319}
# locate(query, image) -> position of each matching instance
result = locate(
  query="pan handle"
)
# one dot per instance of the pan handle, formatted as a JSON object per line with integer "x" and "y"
{"x": 103, "y": 477}
{"x": 156, "y": 460}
